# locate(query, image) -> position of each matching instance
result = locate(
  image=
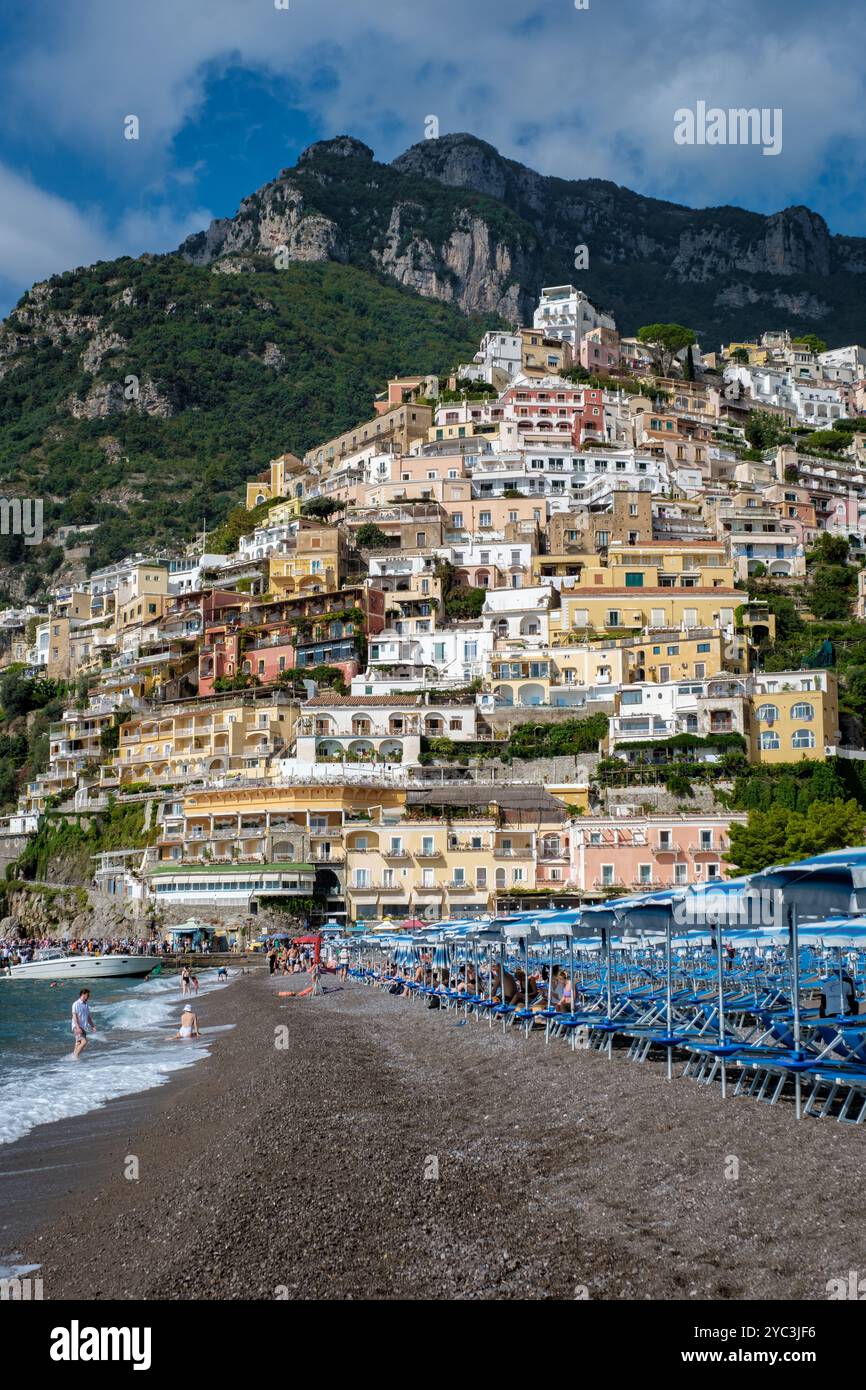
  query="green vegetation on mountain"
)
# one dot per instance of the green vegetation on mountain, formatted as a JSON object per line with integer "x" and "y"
{"x": 231, "y": 371}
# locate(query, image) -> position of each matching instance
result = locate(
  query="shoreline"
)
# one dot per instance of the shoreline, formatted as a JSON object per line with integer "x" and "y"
{"x": 56, "y": 1164}
{"x": 310, "y": 1171}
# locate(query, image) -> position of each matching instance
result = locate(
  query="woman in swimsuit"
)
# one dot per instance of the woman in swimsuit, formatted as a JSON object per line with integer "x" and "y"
{"x": 188, "y": 1024}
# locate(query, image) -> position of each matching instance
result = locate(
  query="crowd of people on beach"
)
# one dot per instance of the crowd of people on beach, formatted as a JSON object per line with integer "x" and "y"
{"x": 545, "y": 987}
{"x": 22, "y": 952}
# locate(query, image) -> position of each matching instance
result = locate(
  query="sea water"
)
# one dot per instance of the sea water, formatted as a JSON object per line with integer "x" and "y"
{"x": 132, "y": 1049}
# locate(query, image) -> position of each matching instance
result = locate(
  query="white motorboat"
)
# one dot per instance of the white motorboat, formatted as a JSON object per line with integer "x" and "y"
{"x": 59, "y": 965}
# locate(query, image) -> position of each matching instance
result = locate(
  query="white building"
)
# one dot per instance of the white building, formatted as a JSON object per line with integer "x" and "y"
{"x": 497, "y": 360}
{"x": 377, "y": 728}
{"x": 519, "y": 617}
{"x": 565, "y": 312}
{"x": 449, "y": 656}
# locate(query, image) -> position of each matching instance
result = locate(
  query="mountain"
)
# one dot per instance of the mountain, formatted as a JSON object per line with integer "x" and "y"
{"x": 454, "y": 220}
{"x": 273, "y": 329}
{"x": 231, "y": 369}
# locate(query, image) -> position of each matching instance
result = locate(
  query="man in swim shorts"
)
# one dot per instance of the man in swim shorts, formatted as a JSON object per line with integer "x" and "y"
{"x": 81, "y": 1021}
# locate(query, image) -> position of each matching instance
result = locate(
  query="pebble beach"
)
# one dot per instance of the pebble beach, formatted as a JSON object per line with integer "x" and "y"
{"x": 355, "y": 1145}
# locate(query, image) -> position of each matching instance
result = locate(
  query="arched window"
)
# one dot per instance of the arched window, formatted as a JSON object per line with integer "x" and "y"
{"x": 803, "y": 711}
{"x": 767, "y": 714}
{"x": 768, "y": 741}
{"x": 803, "y": 738}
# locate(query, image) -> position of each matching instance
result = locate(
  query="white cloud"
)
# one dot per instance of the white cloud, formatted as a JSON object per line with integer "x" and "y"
{"x": 576, "y": 93}
{"x": 591, "y": 84}
{"x": 41, "y": 234}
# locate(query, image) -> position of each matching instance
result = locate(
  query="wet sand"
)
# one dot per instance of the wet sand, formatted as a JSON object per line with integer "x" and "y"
{"x": 301, "y": 1171}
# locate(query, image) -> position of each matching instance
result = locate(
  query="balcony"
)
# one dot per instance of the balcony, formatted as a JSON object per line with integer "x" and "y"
{"x": 400, "y": 853}
{"x": 518, "y": 852}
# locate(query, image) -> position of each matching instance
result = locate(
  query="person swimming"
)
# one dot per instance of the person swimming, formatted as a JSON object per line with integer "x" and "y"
{"x": 188, "y": 1024}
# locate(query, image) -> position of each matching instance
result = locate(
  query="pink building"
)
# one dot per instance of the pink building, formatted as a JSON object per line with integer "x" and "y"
{"x": 619, "y": 854}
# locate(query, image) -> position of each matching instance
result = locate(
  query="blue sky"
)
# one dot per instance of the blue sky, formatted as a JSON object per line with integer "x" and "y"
{"x": 228, "y": 92}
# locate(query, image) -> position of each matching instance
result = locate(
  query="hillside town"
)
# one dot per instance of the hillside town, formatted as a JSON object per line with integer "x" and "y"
{"x": 506, "y": 642}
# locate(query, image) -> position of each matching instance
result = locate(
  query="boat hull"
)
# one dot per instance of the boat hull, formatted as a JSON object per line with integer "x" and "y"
{"x": 84, "y": 968}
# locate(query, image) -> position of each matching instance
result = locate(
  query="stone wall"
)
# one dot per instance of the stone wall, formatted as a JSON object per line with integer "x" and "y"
{"x": 11, "y": 846}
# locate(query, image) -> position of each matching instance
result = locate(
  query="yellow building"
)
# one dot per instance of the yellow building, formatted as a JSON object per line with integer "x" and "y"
{"x": 456, "y": 852}
{"x": 241, "y": 733}
{"x": 647, "y": 565}
{"x": 542, "y": 356}
{"x": 794, "y": 715}
{"x": 609, "y": 609}
{"x": 284, "y": 511}
{"x": 700, "y": 652}
{"x": 315, "y": 560}
{"x": 283, "y": 477}
{"x": 246, "y": 822}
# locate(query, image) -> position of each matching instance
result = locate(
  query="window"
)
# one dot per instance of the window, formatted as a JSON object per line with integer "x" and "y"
{"x": 703, "y": 646}
{"x": 633, "y": 580}
{"x": 607, "y": 875}
{"x": 517, "y": 876}
{"x": 480, "y": 878}
{"x": 485, "y": 519}
{"x": 700, "y": 670}
{"x": 396, "y": 844}
{"x": 645, "y": 873}
{"x": 613, "y": 617}
{"x": 427, "y": 844}
{"x": 803, "y": 738}
{"x": 767, "y": 714}
{"x": 768, "y": 741}
{"x": 666, "y": 839}
{"x": 427, "y": 878}
{"x": 706, "y": 839}
{"x": 803, "y": 711}
{"x": 457, "y": 519}
{"x": 680, "y": 873}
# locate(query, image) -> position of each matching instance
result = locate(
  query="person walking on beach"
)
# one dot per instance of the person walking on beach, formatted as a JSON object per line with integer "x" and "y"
{"x": 184, "y": 982}
{"x": 81, "y": 1021}
{"x": 344, "y": 962}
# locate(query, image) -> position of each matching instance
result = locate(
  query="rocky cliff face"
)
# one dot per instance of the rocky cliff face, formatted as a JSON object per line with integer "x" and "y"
{"x": 454, "y": 220}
